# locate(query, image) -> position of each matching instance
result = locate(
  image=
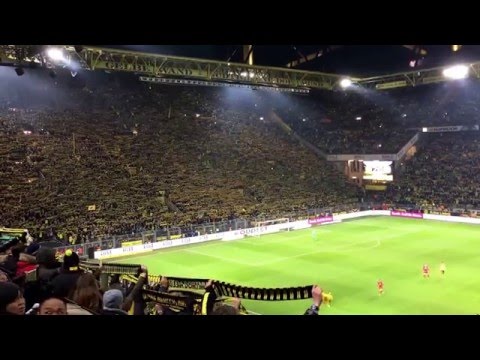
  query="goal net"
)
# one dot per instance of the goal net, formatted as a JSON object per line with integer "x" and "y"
{"x": 270, "y": 226}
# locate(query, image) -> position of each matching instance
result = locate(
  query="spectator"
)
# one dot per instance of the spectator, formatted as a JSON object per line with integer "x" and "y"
{"x": 4, "y": 277}
{"x": 317, "y": 301}
{"x": 48, "y": 266}
{"x": 87, "y": 293}
{"x": 64, "y": 283}
{"x": 209, "y": 298}
{"x": 226, "y": 309}
{"x": 53, "y": 306}
{"x": 11, "y": 299}
{"x": 134, "y": 300}
{"x": 112, "y": 303}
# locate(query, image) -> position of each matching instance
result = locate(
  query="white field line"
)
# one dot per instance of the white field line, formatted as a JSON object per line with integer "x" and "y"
{"x": 196, "y": 249}
{"x": 222, "y": 258}
{"x": 341, "y": 248}
{"x": 172, "y": 250}
{"x": 286, "y": 258}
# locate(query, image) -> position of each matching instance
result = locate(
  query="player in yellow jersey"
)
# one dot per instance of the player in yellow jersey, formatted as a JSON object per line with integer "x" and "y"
{"x": 443, "y": 268}
{"x": 327, "y": 298}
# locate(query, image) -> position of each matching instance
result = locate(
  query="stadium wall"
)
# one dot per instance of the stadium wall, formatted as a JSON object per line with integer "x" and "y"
{"x": 270, "y": 229}
{"x": 227, "y": 236}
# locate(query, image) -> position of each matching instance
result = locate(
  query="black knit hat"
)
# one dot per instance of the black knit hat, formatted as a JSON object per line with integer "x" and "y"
{"x": 70, "y": 261}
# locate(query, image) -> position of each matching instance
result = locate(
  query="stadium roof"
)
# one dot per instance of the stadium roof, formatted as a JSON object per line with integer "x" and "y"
{"x": 354, "y": 60}
{"x": 276, "y": 67}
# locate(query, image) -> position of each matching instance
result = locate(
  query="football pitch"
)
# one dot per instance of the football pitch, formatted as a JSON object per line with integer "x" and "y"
{"x": 345, "y": 259}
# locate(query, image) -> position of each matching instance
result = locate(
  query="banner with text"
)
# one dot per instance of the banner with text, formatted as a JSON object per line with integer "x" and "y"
{"x": 131, "y": 243}
{"x": 320, "y": 220}
{"x": 368, "y": 157}
{"x": 455, "y": 128}
{"x": 406, "y": 214}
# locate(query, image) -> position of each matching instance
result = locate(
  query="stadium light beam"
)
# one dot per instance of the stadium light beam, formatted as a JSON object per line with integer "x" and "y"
{"x": 456, "y": 72}
{"x": 345, "y": 83}
{"x": 55, "y": 54}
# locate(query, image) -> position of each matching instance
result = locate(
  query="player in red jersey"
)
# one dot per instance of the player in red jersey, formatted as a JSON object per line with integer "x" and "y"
{"x": 380, "y": 287}
{"x": 426, "y": 271}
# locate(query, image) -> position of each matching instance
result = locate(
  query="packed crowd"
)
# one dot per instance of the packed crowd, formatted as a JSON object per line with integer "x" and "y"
{"x": 110, "y": 159}
{"x": 33, "y": 282}
{"x": 360, "y": 121}
{"x": 347, "y": 123}
{"x": 444, "y": 173}
{"x": 115, "y": 156}
{"x": 63, "y": 288}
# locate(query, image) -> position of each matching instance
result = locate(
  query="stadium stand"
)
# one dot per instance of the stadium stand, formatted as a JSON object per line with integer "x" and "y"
{"x": 111, "y": 160}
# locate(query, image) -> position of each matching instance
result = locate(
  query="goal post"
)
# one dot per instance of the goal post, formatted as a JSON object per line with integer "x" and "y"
{"x": 276, "y": 225}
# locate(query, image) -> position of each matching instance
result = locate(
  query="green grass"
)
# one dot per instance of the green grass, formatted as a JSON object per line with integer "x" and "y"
{"x": 346, "y": 259}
